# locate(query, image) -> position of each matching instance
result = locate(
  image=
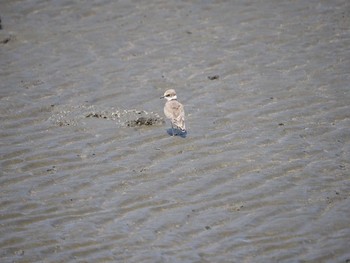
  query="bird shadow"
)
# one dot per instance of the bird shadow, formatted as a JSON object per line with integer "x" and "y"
{"x": 177, "y": 132}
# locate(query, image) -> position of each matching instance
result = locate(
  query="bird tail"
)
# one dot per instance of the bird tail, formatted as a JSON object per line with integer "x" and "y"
{"x": 180, "y": 124}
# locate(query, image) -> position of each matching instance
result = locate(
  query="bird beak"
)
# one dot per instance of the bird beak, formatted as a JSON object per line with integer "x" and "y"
{"x": 162, "y": 97}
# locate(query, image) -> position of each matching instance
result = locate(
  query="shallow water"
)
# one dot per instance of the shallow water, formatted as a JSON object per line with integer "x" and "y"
{"x": 262, "y": 175}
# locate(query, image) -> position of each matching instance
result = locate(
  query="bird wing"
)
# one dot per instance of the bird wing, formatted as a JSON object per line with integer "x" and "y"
{"x": 179, "y": 117}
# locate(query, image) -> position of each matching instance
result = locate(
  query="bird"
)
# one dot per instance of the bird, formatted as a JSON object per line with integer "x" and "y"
{"x": 174, "y": 111}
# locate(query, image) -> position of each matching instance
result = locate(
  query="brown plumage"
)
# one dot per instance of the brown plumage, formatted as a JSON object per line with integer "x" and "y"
{"x": 174, "y": 111}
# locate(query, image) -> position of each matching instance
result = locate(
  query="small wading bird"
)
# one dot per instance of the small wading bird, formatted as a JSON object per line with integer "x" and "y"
{"x": 174, "y": 111}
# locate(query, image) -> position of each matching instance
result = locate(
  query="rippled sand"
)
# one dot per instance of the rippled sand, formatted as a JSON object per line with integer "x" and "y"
{"x": 262, "y": 176}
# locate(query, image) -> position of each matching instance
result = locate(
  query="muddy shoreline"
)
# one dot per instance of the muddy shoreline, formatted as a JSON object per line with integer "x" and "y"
{"x": 89, "y": 172}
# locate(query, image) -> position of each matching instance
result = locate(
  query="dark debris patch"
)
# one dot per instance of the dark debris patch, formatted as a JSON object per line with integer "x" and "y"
{"x": 96, "y": 115}
{"x": 143, "y": 121}
{"x": 131, "y": 118}
{"x": 63, "y": 123}
{"x": 6, "y": 39}
{"x": 64, "y": 115}
{"x": 213, "y": 77}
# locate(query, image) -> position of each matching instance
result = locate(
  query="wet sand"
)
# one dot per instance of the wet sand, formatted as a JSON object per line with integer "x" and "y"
{"x": 262, "y": 175}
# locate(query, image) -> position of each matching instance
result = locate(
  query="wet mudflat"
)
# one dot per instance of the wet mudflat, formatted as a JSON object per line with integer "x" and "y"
{"x": 89, "y": 172}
